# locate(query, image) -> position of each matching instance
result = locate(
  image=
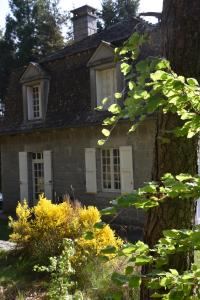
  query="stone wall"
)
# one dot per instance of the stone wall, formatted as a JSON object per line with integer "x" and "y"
{"x": 68, "y": 159}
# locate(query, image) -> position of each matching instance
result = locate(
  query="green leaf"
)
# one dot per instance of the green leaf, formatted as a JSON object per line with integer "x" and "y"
{"x": 114, "y": 108}
{"x": 129, "y": 270}
{"x": 134, "y": 282}
{"x": 192, "y": 82}
{"x": 106, "y": 132}
{"x": 184, "y": 177}
{"x": 105, "y": 100}
{"x": 159, "y": 75}
{"x": 99, "y": 108}
{"x": 143, "y": 260}
{"x": 163, "y": 64}
{"x": 109, "y": 250}
{"x": 125, "y": 68}
{"x": 131, "y": 85}
{"x": 88, "y": 235}
{"x": 119, "y": 279}
{"x": 118, "y": 95}
{"x": 174, "y": 272}
{"x": 101, "y": 142}
{"x": 100, "y": 225}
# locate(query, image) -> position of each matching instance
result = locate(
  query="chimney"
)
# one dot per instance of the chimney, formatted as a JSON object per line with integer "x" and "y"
{"x": 84, "y": 22}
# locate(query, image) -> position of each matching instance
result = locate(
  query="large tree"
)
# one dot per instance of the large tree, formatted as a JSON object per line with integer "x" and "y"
{"x": 35, "y": 28}
{"x": 180, "y": 31}
{"x": 114, "y": 11}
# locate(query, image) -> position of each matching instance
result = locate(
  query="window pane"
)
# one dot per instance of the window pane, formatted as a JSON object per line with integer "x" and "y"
{"x": 110, "y": 169}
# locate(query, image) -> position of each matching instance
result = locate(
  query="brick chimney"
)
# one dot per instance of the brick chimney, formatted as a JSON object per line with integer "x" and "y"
{"x": 84, "y": 22}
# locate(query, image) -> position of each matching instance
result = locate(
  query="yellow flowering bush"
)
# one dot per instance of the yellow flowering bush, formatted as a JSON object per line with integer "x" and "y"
{"x": 40, "y": 230}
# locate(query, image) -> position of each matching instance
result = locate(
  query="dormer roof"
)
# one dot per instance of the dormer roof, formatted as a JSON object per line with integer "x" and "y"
{"x": 33, "y": 72}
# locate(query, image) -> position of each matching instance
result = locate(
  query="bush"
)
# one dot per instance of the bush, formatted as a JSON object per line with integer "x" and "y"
{"x": 41, "y": 229}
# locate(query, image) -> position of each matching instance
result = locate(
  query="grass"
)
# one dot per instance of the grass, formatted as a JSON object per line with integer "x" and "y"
{"x": 17, "y": 275}
{"x": 4, "y": 230}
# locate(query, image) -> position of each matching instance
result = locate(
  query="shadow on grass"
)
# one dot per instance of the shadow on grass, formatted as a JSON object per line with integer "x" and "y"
{"x": 16, "y": 273}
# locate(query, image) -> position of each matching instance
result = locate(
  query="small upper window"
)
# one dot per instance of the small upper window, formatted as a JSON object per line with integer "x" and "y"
{"x": 106, "y": 85}
{"x": 34, "y": 102}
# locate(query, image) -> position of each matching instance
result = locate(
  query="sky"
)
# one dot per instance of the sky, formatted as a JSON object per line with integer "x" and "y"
{"x": 145, "y": 5}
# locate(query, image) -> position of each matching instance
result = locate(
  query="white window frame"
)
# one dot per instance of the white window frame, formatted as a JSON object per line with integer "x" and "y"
{"x": 99, "y": 86}
{"x": 30, "y": 104}
{"x": 112, "y": 189}
{"x": 36, "y": 161}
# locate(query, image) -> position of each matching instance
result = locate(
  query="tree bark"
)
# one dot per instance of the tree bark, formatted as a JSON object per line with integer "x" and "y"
{"x": 180, "y": 28}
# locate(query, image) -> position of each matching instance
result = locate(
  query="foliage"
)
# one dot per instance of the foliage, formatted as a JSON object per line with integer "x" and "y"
{"x": 153, "y": 86}
{"x": 61, "y": 270}
{"x": 95, "y": 279}
{"x": 35, "y": 28}
{"x": 16, "y": 274}
{"x": 114, "y": 11}
{"x": 180, "y": 187}
{"x": 41, "y": 229}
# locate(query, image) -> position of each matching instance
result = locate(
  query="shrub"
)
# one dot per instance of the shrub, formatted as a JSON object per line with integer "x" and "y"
{"x": 41, "y": 229}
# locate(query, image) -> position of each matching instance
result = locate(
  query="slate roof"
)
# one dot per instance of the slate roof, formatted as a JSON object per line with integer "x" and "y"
{"x": 69, "y": 101}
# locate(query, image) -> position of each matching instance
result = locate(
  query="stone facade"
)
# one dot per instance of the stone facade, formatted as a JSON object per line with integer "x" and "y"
{"x": 70, "y": 125}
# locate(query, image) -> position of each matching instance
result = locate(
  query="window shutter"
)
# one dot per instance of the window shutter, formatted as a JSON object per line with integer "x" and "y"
{"x": 23, "y": 175}
{"x": 48, "y": 183}
{"x": 126, "y": 169}
{"x": 90, "y": 169}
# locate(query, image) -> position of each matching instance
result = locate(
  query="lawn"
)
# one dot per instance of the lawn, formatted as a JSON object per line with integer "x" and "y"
{"x": 18, "y": 278}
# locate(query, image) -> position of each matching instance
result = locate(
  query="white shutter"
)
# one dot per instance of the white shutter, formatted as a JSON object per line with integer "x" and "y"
{"x": 126, "y": 169}
{"x": 30, "y": 102}
{"x": 48, "y": 182}
{"x": 23, "y": 175}
{"x": 90, "y": 169}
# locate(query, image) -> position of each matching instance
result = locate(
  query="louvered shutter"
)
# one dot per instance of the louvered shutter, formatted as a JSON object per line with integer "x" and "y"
{"x": 126, "y": 169}
{"x": 48, "y": 180}
{"x": 90, "y": 170}
{"x": 23, "y": 175}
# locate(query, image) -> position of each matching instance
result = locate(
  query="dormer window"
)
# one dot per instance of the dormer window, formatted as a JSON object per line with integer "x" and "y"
{"x": 105, "y": 76}
{"x": 106, "y": 85}
{"x": 34, "y": 102}
{"x": 35, "y": 90}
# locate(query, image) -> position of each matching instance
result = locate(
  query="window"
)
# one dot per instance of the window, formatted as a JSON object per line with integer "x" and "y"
{"x": 37, "y": 174}
{"x": 106, "y": 85}
{"x": 110, "y": 160}
{"x": 34, "y": 102}
{"x": 115, "y": 166}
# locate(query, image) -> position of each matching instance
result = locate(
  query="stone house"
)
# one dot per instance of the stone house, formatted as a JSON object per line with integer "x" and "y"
{"x": 50, "y": 129}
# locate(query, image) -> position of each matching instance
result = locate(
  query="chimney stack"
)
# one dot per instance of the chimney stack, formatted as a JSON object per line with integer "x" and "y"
{"x": 84, "y": 22}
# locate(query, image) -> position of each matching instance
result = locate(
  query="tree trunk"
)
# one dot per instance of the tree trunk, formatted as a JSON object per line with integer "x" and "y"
{"x": 181, "y": 46}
